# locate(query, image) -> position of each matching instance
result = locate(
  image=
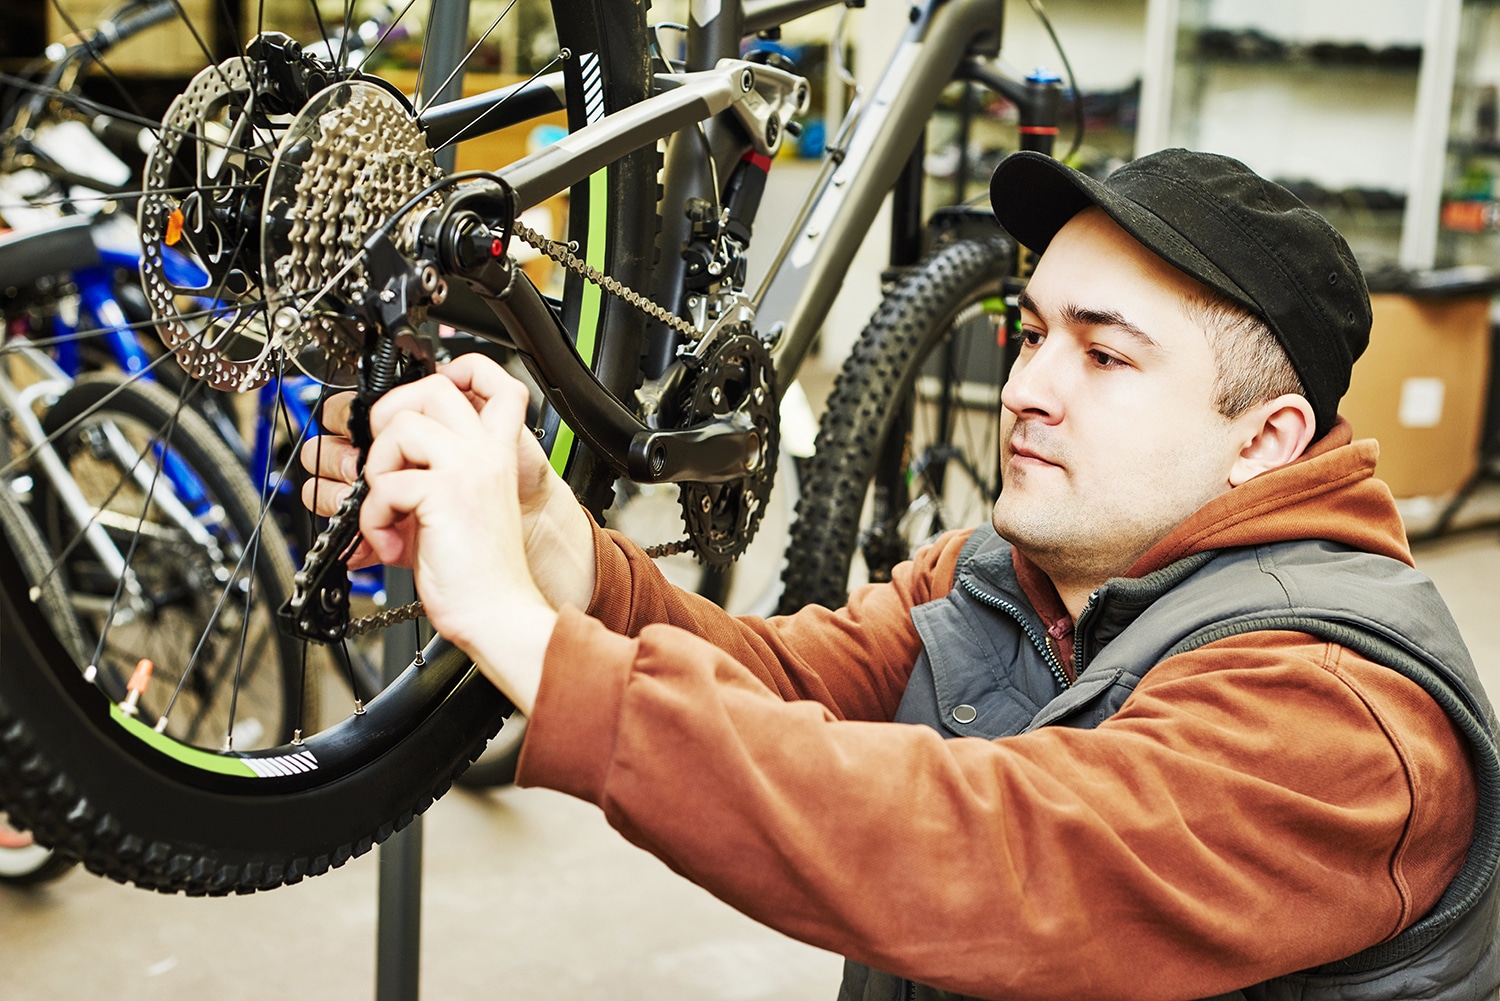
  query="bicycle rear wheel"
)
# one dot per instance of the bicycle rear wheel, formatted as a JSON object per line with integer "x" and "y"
{"x": 908, "y": 446}
{"x": 170, "y": 815}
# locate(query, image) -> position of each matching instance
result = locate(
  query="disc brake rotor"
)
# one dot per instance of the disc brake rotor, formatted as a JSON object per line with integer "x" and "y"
{"x": 255, "y": 206}
{"x": 197, "y": 251}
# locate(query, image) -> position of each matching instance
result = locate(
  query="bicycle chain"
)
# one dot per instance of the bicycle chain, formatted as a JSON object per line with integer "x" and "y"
{"x": 382, "y": 620}
{"x": 563, "y": 254}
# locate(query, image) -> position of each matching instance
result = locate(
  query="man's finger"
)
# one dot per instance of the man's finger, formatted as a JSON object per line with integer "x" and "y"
{"x": 323, "y": 497}
{"x": 413, "y": 440}
{"x": 385, "y": 516}
{"x": 504, "y": 410}
{"x": 434, "y": 396}
{"x": 335, "y": 418}
{"x": 330, "y": 458}
{"x": 478, "y": 376}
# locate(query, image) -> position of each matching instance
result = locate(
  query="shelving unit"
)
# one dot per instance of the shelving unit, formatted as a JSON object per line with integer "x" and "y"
{"x": 1323, "y": 97}
{"x": 1469, "y": 221}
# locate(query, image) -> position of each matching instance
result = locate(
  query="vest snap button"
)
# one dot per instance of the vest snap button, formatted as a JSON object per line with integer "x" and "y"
{"x": 965, "y": 714}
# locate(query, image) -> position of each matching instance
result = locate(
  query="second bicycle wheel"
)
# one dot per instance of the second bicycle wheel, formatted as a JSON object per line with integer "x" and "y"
{"x": 151, "y": 486}
{"x": 908, "y": 445}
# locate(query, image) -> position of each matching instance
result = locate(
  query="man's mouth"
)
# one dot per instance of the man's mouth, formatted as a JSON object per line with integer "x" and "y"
{"x": 1028, "y": 456}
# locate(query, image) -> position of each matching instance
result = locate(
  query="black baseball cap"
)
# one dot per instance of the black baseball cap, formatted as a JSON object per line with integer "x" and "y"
{"x": 1216, "y": 220}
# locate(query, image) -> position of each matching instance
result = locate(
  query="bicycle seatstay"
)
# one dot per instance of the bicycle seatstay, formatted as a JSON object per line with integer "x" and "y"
{"x": 804, "y": 280}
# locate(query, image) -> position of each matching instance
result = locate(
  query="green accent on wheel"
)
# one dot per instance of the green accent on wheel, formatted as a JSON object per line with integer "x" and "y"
{"x": 993, "y": 304}
{"x": 589, "y": 306}
{"x": 204, "y": 760}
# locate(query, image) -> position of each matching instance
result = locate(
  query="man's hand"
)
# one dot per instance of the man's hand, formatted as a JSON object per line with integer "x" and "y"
{"x": 461, "y": 491}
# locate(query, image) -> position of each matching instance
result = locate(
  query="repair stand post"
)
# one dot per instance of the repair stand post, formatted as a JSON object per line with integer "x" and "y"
{"x": 398, "y": 920}
{"x": 398, "y": 926}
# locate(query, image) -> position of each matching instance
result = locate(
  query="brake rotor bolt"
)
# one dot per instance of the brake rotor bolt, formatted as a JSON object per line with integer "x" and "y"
{"x": 387, "y": 295}
{"x": 286, "y": 318}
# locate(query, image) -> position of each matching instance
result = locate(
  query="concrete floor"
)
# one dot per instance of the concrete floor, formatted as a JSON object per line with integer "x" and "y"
{"x": 527, "y": 894}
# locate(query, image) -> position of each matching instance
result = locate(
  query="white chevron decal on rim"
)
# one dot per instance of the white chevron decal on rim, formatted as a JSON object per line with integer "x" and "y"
{"x": 286, "y": 764}
{"x": 593, "y": 86}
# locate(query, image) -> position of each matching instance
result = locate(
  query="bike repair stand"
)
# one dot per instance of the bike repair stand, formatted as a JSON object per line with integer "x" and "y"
{"x": 398, "y": 921}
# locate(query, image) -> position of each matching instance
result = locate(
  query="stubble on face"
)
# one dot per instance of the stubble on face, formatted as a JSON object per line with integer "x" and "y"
{"x": 1086, "y": 528}
{"x": 1099, "y": 466}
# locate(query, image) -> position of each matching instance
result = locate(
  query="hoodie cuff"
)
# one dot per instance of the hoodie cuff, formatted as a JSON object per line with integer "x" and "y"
{"x": 610, "y": 603}
{"x": 570, "y": 736}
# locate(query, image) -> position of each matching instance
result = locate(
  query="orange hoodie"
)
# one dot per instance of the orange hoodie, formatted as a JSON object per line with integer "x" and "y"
{"x": 1259, "y": 805}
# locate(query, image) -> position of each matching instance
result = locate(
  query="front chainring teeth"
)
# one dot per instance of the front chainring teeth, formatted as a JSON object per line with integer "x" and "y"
{"x": 722, "y": 518}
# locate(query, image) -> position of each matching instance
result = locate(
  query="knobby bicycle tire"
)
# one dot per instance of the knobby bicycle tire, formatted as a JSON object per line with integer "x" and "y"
{"x": 141, "y": 807}
{"x": 857, "y": 493}
{"x": 36, "y": 863}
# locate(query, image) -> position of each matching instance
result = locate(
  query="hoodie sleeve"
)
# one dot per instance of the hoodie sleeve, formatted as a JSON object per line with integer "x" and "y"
{"x": 1259, "y": 805}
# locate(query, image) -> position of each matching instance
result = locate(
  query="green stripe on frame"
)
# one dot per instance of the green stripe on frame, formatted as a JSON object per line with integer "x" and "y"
{"x": 590, "y": 307}
{"x": 204, "y": 760}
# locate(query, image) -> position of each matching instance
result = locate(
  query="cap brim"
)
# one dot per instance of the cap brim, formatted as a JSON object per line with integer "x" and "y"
{"x": 1033, "y": 196}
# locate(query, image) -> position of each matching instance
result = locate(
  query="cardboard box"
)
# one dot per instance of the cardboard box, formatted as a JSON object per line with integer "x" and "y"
{"x": 1420, "y": 389}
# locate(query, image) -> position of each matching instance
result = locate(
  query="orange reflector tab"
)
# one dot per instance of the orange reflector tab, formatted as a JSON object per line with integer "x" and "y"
{"x": 142, "y": 676}
{"x": 136, "y": 687}
{"x": 174, "y": 227}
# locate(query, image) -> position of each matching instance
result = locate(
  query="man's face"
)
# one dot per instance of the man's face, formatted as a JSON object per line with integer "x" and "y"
{"x": 1111, "y": 436}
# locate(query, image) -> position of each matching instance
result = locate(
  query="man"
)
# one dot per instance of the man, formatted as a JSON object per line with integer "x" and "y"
{"x": 1192, "y": 724}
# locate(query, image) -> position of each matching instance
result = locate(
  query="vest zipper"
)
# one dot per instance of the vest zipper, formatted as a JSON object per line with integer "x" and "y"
{"x": 1081, "y": 652}
{"x": 1020, "y": 617}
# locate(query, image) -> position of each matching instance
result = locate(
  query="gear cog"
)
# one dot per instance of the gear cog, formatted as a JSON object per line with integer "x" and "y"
{"x": 737, "y": 377}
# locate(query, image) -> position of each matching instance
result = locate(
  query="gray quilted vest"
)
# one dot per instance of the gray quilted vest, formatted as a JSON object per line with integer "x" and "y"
{"x": 986, "y": 671}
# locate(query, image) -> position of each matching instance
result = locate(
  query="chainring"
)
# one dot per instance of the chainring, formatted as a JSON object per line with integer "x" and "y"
{"x": 736, "y": 377}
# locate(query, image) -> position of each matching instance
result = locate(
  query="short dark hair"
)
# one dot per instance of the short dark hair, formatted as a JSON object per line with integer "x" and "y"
{"x": 1250, "y": 365}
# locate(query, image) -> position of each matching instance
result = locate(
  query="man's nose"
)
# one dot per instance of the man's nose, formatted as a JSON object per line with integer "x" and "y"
{"x": 1032, "y": 388}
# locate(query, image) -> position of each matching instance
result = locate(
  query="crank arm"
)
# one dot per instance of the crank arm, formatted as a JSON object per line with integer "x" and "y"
{"x": 714, "y": 452}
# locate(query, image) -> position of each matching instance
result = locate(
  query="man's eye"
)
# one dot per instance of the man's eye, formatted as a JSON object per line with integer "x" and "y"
{"x": 1104, "y": 360}
{"x": 1028, "y": 338}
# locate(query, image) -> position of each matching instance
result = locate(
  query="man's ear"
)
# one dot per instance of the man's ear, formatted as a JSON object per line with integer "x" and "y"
{"x": 1275, "y": 433}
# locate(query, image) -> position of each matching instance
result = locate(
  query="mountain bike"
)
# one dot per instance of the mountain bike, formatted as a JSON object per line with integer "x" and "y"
{"x": 308, "y": 193}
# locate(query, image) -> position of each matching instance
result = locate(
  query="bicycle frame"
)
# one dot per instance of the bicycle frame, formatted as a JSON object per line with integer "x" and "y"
{"x": 874, "y": 147}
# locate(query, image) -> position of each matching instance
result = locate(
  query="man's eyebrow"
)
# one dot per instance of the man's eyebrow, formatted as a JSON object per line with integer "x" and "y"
{"x": 1083, "y": 316}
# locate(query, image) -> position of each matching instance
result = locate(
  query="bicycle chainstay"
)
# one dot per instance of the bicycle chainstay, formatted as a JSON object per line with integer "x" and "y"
{"x": 319, "y": 606}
